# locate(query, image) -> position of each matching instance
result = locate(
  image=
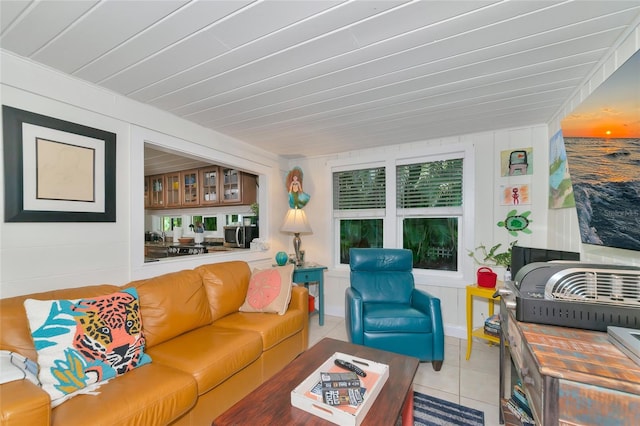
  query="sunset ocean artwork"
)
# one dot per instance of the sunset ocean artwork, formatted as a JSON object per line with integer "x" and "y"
{"x": 606, "y": 187}
{"x": 602, "y": 142}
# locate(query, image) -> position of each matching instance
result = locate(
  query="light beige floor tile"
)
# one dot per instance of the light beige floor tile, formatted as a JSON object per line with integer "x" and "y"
{"x": 483, "y": 358}
{"x": 446, "y": 380}
{"x": 437, "y": 393}
{"x": 481, "y": 386}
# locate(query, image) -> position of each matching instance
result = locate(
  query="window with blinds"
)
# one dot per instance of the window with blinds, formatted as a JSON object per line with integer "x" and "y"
{"x": 358, "y": 204}
{"x": 430, "y": 184}
{"x": 428, "y": 214}
{"x": 359, "y": 189}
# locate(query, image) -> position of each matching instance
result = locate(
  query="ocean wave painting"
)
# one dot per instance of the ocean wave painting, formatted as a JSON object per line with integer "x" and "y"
{"x": 606, "y": 187}
{"x": 602, "y": 142}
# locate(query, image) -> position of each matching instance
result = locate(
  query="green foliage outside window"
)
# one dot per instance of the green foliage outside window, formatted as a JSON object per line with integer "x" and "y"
{"x": 433, "y": 241}
{"x": 363, "y": 233}
{"x": 169, "y": 222}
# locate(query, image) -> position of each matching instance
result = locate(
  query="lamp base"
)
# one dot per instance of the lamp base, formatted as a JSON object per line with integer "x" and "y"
{"x": 296, "y": 246}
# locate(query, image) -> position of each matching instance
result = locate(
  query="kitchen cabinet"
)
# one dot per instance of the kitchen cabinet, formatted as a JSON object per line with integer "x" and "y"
{"x": 156, "y": 191}
{"x": 172, "y": 192}
{"x": 205, "y": 186}
{"x": 189, "y": 181}
{"x": 209, "y": 186}
{"x": 238, "y": 187}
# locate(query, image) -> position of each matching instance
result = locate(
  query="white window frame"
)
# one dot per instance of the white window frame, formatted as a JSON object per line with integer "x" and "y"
{"x": 392, "y": 217}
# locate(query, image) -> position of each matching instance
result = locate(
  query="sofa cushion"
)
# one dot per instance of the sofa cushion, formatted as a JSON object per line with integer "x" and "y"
{"x": 269, "y": 290}
{"x": 151, "y": 395}
{"x": 171, "y": 305}
{"x": 82, "y": 343}
{"x": 273, "y": 329}
{"x": 210, "y": 354}
{"x": 226, "y": 285}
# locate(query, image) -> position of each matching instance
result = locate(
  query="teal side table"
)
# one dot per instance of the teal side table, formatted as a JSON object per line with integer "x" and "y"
{"x": 312, "y": 273}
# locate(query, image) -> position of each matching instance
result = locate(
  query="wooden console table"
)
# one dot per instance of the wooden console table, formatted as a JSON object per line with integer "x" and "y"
{"x": 571, "y": 376}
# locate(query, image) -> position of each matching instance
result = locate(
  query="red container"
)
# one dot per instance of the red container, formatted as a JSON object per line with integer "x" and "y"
{"x": 487, "y": 278}
{"x": 312, "y": 303}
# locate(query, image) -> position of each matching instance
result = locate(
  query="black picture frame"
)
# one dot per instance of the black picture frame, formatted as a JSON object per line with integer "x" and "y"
{"x": 99, "y": 146}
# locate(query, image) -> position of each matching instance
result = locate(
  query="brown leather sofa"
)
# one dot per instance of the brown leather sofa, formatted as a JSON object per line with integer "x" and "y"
{"x": 206, "y": 355}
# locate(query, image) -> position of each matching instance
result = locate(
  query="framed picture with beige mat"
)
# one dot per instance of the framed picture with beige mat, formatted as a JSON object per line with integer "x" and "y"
{"x": 57, "y": 171}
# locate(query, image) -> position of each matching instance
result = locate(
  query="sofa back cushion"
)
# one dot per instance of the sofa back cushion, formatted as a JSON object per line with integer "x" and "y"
{"x": 172, "y": 304}
{"x": 226, "y": 284}
{"x": 15, "y": 334}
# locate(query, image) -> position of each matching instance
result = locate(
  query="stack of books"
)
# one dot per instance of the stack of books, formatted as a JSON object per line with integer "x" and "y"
{"x": 518, "y": 404}
{"x": 492, "y": 325}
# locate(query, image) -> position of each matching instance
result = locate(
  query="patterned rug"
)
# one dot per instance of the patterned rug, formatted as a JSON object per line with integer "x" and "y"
{"x": 431, "y": 411}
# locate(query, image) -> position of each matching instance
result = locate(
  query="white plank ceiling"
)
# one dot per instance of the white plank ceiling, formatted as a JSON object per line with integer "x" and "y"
{"x": 313, "y": 77}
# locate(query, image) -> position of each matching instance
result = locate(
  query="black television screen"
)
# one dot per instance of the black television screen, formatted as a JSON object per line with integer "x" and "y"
{"x": 521, "y": 256}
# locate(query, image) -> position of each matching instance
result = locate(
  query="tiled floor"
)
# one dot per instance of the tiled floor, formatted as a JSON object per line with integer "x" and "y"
{"x": 473, "y": 383}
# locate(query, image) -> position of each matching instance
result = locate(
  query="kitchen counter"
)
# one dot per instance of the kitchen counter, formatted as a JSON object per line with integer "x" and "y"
{"x": 157, "y": 251}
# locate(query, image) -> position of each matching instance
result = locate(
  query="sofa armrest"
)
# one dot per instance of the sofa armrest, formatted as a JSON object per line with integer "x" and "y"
{"x": 23, "y": 403}
{"x": 299, "y": 298}
{"x": 300, "y": 302}
{"x": 430, "y": 305}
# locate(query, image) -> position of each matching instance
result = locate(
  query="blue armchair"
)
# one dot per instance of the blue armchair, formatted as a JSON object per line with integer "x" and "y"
{"x": 384, "y": 310}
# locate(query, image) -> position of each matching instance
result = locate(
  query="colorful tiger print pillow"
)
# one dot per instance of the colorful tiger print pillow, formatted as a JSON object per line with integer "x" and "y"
{"x": 83, "y": 343}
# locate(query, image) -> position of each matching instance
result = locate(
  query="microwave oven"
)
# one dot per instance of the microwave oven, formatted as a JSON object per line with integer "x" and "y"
{"x": 240, "y": 236}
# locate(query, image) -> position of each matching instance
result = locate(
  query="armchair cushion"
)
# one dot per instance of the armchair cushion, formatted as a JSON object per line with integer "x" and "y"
{"x": 399, "y": 318}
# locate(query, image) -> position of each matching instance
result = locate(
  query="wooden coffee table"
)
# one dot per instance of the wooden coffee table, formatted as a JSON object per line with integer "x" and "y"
{"x": 270, "y": 403}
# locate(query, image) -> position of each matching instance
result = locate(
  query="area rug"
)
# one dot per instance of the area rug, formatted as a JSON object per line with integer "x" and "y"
{"x": 431, "y": 411}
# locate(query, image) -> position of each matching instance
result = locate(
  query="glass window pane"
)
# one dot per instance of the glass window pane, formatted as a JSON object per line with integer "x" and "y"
{"x": 210, "y": 223}
{"x": 432, "y": 184}
{"x": 433, "y": 241}
{"x": 363, "y": 233}
{"x": 359, "y": 189}
{"x": 168, "y": 222}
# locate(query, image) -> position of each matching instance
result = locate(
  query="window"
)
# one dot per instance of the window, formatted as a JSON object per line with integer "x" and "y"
{"x": 359, "y": 207}
{"x": 429, "y": 204}
{"x": 168, "y": 222}
{"x": 419, "y": 206}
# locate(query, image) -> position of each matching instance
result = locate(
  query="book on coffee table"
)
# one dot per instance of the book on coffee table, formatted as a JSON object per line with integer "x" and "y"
{"x": 340, "y": 409}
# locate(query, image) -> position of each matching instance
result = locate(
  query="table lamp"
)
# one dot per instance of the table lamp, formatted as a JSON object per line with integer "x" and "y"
{"x": 295, "y": 222}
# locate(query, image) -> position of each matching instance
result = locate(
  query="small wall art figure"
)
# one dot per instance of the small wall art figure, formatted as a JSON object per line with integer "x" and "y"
{"x": 517, "y": 162}
{"x": 512, "y": 195}
{"x": 297, "y": 197}
{"x": 516, "y": 222}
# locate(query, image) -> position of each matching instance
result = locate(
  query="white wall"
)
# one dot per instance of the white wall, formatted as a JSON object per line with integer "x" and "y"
{"x": 42, "y": 256}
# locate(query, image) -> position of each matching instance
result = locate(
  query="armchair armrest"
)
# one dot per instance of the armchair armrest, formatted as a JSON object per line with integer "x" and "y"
{"x": 353, "y": 316}
{"x": 23, "y": 403}
{"x": 430, "y": 305}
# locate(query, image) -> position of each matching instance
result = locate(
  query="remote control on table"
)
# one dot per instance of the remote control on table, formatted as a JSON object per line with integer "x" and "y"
{"x": 351, "y": 367}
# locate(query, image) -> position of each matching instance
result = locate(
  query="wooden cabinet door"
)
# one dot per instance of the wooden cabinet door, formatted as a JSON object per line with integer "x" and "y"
{"x": 210, "y": 186}
{"x": 231, "y": 187}
{"x": 172, "y": 191}
{"x": 238, "y": 187}
{"x": 156, "y": 191}
{"x": 190, "y": 185}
